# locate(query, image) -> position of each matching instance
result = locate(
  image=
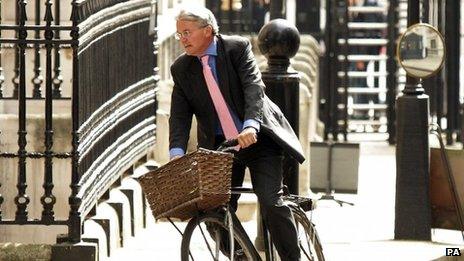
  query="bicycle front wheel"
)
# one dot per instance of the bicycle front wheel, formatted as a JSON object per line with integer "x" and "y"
{"x": 206, "y": 238}
{"x": 310, "y": 245}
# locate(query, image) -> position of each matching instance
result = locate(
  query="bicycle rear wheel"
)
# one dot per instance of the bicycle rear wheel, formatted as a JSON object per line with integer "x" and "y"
{"x": 202, "y": 240}
{"x": 310, "y": 245}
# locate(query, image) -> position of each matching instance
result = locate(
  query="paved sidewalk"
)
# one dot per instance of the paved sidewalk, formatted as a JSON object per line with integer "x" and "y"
{"x": 365, "y": 231}
{"x": 360, "y": 232}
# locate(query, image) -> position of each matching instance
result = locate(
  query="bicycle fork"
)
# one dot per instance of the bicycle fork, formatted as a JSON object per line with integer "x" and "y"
{"x": 233, "y": 223}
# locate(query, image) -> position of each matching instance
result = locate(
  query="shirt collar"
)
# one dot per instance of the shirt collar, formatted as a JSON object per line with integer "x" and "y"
{"x": 212, "y": 48}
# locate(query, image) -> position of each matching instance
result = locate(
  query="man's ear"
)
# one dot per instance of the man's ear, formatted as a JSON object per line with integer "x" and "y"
{"x": 209, "y": 30}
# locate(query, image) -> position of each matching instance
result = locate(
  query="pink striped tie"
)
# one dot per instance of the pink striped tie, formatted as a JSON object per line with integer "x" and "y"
{"x": 225, "y": 118}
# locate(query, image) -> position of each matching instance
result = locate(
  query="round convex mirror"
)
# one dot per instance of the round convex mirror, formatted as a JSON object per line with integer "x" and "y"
{"x": 421, "y": 50}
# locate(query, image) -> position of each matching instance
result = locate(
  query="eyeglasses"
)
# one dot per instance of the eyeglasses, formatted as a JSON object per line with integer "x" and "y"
{"x": 186, "y": 34}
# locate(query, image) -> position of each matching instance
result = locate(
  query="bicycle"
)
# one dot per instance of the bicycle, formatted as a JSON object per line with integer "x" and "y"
{"x": 223, "y": 220}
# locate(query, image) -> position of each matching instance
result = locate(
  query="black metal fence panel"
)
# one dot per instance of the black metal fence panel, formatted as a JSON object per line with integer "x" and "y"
{"x": 245, "y": 16}
{"x": 113, "y": 105}
{"x": 37, "y": 36}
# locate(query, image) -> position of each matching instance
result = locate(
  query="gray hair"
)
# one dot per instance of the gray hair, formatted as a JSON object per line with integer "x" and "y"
{"x": 198, "y": 14}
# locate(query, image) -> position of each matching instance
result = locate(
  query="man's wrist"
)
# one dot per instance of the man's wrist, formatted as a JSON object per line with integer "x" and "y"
{"x": 251, "y": 123}
{"x": 252, "y": 128}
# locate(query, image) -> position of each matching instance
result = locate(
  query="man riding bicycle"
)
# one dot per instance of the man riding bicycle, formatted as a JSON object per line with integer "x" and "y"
{"x": 217, "y": 80}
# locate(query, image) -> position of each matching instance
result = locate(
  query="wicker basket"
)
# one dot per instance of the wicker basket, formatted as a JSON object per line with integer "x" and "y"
{"x": 198, "y": 181}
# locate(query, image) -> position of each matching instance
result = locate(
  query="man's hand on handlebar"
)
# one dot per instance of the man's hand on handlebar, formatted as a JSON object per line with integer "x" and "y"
{"x": 247, "y": 137}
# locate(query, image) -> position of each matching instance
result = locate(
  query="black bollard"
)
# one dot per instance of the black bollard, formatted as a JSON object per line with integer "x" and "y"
{"x": 412, "y": 208}
{"x": 279, "y": 40}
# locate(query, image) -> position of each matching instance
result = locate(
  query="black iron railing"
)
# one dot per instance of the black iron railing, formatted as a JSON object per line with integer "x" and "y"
{"x": 392, "y": 68}
{"x": 239, "y": 16}
{"x": 22, "y": 42}
{"x": 248, "y": 16}
{"x": 113, "y": 103}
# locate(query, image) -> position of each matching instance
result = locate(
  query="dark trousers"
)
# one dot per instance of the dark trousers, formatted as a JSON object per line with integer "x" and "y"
{"x": 264, "y": 160}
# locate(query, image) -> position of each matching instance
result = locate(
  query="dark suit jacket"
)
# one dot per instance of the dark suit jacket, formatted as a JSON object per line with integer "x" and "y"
{"x": 243, "y": 90}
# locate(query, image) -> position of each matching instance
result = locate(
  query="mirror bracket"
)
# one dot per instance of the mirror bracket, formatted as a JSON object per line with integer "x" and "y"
{"x": 413, "y": 88}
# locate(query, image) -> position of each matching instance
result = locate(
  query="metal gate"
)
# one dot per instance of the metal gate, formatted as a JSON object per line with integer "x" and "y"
{"x": 359, "y": 98}
{"x": 362, "y": 79}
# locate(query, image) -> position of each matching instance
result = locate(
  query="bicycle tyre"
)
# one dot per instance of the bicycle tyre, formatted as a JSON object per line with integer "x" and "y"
{"x": 311, "y": 248}
{"x": 218, "y": 219}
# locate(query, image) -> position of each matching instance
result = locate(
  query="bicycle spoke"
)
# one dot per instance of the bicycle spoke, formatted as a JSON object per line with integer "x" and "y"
{"x": 217, "y": 237}
{"x": 309, "y": 243}
{"x": 304, "y": 242}
{"x": 306, "y": 247}
{"x": 191, "y": 256}
{"x": 307, "y": 255}
{"x": 207, "y": 244}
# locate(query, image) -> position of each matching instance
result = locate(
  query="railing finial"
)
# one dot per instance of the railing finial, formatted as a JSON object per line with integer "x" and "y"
{"x": 74, "y": 12}
{"x": 22, "y": 11}
{"x": 48, "y": 11}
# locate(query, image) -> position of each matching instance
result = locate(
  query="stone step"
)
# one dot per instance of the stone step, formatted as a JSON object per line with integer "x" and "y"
{"x": 114, "y": 220}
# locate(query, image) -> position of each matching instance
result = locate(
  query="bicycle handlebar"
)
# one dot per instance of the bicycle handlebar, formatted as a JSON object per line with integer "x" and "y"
{"x": 228, "y": 145}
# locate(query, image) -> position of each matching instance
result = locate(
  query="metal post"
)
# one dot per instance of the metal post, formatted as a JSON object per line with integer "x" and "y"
{"x": 230, "y": 17}
{"x": 22, "y": 199}
{"x": 282, "y": 82}
{"x": 328, "y": 75}
{"x": 38, "y": 78}
{"x": 282, "y": 86}
{"x": 439, "y": 84}
{"x": 236, "y": 13}
{"x": 426, "y": 11}
{"x": 2, "y": 76}
{"x": 15, "y": 79}
{"x": 277, "y": 9}
{"x": 75, "y": 219}
{"x": 412, "y": 208}
{"x": 428, "y": 83}
{"x": 156, "y": 47}
{"x": 308, "y": 17}
{"x": 48, "y": 200}
{"x": 2, "y": 80}
{"x": 391, "y": 69}
{"x": 57, "y": 78}
{"x": 342, "y": 98}
{"x": 452, "y": 25}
